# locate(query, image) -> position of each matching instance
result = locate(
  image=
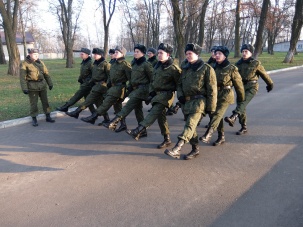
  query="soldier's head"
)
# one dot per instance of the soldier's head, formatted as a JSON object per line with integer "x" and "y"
{"x": 111, "y": 53}
{"x": 164, "y": 52}
{"x": 139, "y": 51}
{"x": 120, "y": 52}
{"x": 98, "y": 53}
{"x": 212, "y": 50}
{"x": 247, "y": 51}
{"x": 221, "y": 53}
{"x": 151, "y": 52}
{"x": 192, "y": 52}
{"x": 33, "y": 53}
{"x": 85, "y": 52}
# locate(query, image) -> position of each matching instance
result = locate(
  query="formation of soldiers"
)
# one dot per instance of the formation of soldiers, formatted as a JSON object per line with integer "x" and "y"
{"x": 201, "y": 89}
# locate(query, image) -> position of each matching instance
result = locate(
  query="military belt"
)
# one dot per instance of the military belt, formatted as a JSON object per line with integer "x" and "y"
{"x": 250, "y": 82}
{"x": 163, "y": 92}
{"x": 118, "y": 84}
{"x": 188, "y": 98}
{"x": 35, "y": 80}
{"x": 140, "y": 86}
{"x": 223, "y": 87}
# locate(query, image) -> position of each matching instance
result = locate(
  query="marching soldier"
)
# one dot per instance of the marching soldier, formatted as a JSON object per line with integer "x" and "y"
{"x": 152, "y": 56}
{"x": 84, "y": 79}
{"x": 34, "y": 79}
{"x": 227, "y": 77}
{"x": 100, "y": 74}
{"x": 137, "y": 89}
{"x": 119, "y": 74}
{"x": 197, "y": 91}
{"x": 250, "y": 71}
{"x": 161, "y": 94}
{"x": 212, "y": 60}
{"x": 111, "y": 53}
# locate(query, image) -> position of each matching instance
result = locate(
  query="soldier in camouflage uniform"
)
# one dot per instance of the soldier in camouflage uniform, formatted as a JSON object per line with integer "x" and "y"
{"x": 152, "y": 56}
{"x": 197, "y": 91}
{"x": 212, "y": 60}
{"x": 84, "y": 80}
{"x": 250, "y": 71}
{"x": 34, "y": 79}
{"x": 161, "y": 94}
{"x": 119, "y": 74}
{"x": 111, "y": 53}
{"x": 100, "y": 74}
{"x": 137, "y": 89}
{"x": 227, "y": 77}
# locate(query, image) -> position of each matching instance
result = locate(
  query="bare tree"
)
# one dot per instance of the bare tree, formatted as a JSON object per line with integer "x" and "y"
{"x": 2, "y": 56}
{"x": 237, "y": 30}
{"x": 202, "y": 23}
{"x": 9, "y": 13}
{"x": 295, "y": 32}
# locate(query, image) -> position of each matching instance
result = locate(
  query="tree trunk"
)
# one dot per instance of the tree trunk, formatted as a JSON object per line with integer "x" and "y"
{"x": 262, "y": 21}
{"x": 202, "y": 23}
{"x": 295, "y": 32}
{"x": 2, "y": 56}
{"x": 106, "y": 37}
{"x": 237, "y": 30}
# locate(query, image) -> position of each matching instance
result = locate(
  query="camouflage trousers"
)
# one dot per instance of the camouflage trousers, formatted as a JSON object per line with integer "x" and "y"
{"x": 33, "y": 100}
{"x": 133, "y": 104}
{"x": 83, "y": 92}
{"x": 107, "y": 103}
{"x": 216, "y": 121}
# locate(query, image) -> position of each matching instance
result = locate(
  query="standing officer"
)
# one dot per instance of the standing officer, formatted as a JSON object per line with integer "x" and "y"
{"x": 161, "y": 94}
{"x": 100, "y": 74}
{"x": 84, "y": 79}
{"x": 34, "y": 79}
{"x": 250, "y": 71}
{"x": 227, "y": 77}
{"x": 137, "y": 89}
{"x": 119, "y": 74}
{"x": 197, "y": 91}
{"x": 152, "y": 56}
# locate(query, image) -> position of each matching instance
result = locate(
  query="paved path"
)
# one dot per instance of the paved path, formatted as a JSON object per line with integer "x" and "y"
{"x": 75, "y": 174}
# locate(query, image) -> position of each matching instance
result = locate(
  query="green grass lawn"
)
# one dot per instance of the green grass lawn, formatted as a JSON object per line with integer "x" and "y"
{"x": 14, "y": 104}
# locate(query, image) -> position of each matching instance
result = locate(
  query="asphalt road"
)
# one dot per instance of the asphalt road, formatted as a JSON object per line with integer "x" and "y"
{"x": 75, "y": 174}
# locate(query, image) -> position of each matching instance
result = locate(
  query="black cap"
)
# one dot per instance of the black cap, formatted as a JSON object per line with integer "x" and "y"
{"x": 194, "y": 48}
{"x": 166, "y": 47}
{"x": 140, "y": 47}
{"x": 98, "y": 51}
{"x": 33, "y": 50}
{"x": 223, "y": 49}
{"x": 213, "y": 48}
{"x": 85, "y": 50}
{"x": 111, "y": 51}
{"x": 247, "y": 47}
{"x": 153, "y": 50}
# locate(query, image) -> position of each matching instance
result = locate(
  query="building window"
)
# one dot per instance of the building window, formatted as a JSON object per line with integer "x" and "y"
{"x": 300, "y": 46}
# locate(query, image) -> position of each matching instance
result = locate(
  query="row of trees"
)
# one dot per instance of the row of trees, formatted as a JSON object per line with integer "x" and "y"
{"x": 206, "y": 22}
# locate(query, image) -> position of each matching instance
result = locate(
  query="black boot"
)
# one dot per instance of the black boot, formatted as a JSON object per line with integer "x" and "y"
{"x": 122, "y": 125}
{"x": 207, "y": 136}
{"x": 193, "y": 154}
{"x": 175, "y": 151}
{"x": 113, "y": 123}
{"x": 106, "y": 118}
{"x": 169, "y": 112}
{"x": 63, "y": 108}
{"x": 166, "y": 142}
{"x": 135, "y": 133}
{"x": 48, "y": 118}
{"x": 34, "y": 121}
{"x": 243, "y": 130}
{"x": 90, "y": 119}
{"x": 143, "y": 133}
{"x": 220, "y": 140}
{"x": 231, "y": 120}
{"x": 75, "y": 113}
{"x": 176, "y": 108}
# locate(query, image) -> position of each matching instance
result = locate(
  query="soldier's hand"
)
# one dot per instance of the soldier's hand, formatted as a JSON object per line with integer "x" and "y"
{"x": 269, "y": 87}
{"x": 25, "y": 92}
{"x": 50, "y": 87}
{"x": 80, "y": 81}
{"x": 182, "y": 99}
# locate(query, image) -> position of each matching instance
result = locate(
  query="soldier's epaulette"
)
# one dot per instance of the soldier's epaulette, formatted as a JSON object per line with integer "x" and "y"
{"x": 233, "y": 67}
{"x": 175, "y": 67}
{"x": 255, "y": 62}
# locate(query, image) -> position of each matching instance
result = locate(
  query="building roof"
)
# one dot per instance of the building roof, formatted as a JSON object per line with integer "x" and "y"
{"x": 28, "y": 37}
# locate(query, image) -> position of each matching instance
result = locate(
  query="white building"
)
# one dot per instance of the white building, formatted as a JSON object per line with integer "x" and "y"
{"x": 284, "y": 46}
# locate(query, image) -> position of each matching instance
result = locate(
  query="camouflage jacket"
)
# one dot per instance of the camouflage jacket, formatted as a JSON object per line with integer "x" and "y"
{"x": 251, "y": 70}
{"x": 120, "y": 73}
{"x": 34, "y": 75}
{"x": 198, "y": 79}
{"x": 164, "y": 82}
{"x": 141, "y": 75}
{"x": 153, "y": 61}
{"x": 211, "y": 62}
{"x": 86, "y": 70}
{"x": 100, "y": 70}
{"x": 228, "y": 75}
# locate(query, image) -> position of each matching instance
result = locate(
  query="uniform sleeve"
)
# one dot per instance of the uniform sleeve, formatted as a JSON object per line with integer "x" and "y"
{"x": 211, "y": 90}
{"x": 179, "y": 87}
{"x": 23, "y": 72}
{"x": 238, "y": 84}
{"x": 47, "y": 76}
{"x": 264, "y": 75}
{"x": 149, "y": 71}
{"x": 127, "y": 70}
{"x": 177, "y": 75}
{"x": 107, "y": 70}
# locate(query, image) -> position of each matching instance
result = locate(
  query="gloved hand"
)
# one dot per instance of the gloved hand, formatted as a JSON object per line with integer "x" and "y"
{"x": 269, "y": 87}
{"x": 182, "y": 99}
{"x": 148, "y": 100}
{"x": 80, "y": 81}
{"x": 50, "y": 87}
{"x": 25, "y": 92}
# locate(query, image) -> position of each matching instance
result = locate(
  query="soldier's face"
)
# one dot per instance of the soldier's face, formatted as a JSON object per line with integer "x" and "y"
{"x": 162, "y": 56}
{"x": 83, "y": 55}
{"x": 246, "y": 54}
{"x": 112, "y": 56}
{"x": 118, "y": 54}
{"x": 191, "y": 56}
{"x": 138, "y": 54}
{"x": 34, "y": 56}
{"x": 97, "y": 56}
{"x": 213, "y": 55}
{"x": 220, "y": 57}
{"x": 150, "y": 54}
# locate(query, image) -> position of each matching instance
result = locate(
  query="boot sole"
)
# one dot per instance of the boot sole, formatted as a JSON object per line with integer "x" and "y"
{"x": 71, "y": 115}
{"x": 135, "y": 138}
{"x": 88, "y": 122}
{"x": 218, "y": 144}
{"x": 169, "y": 154}
{"x": 166, "y": 145}
{"x": 229, "y": 122}
{"x": 240, "y": 134}
{"x": 191, "y": 157}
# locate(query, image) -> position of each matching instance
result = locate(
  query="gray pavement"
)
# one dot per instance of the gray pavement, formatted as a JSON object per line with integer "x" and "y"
{"x": 75, "y": 174}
